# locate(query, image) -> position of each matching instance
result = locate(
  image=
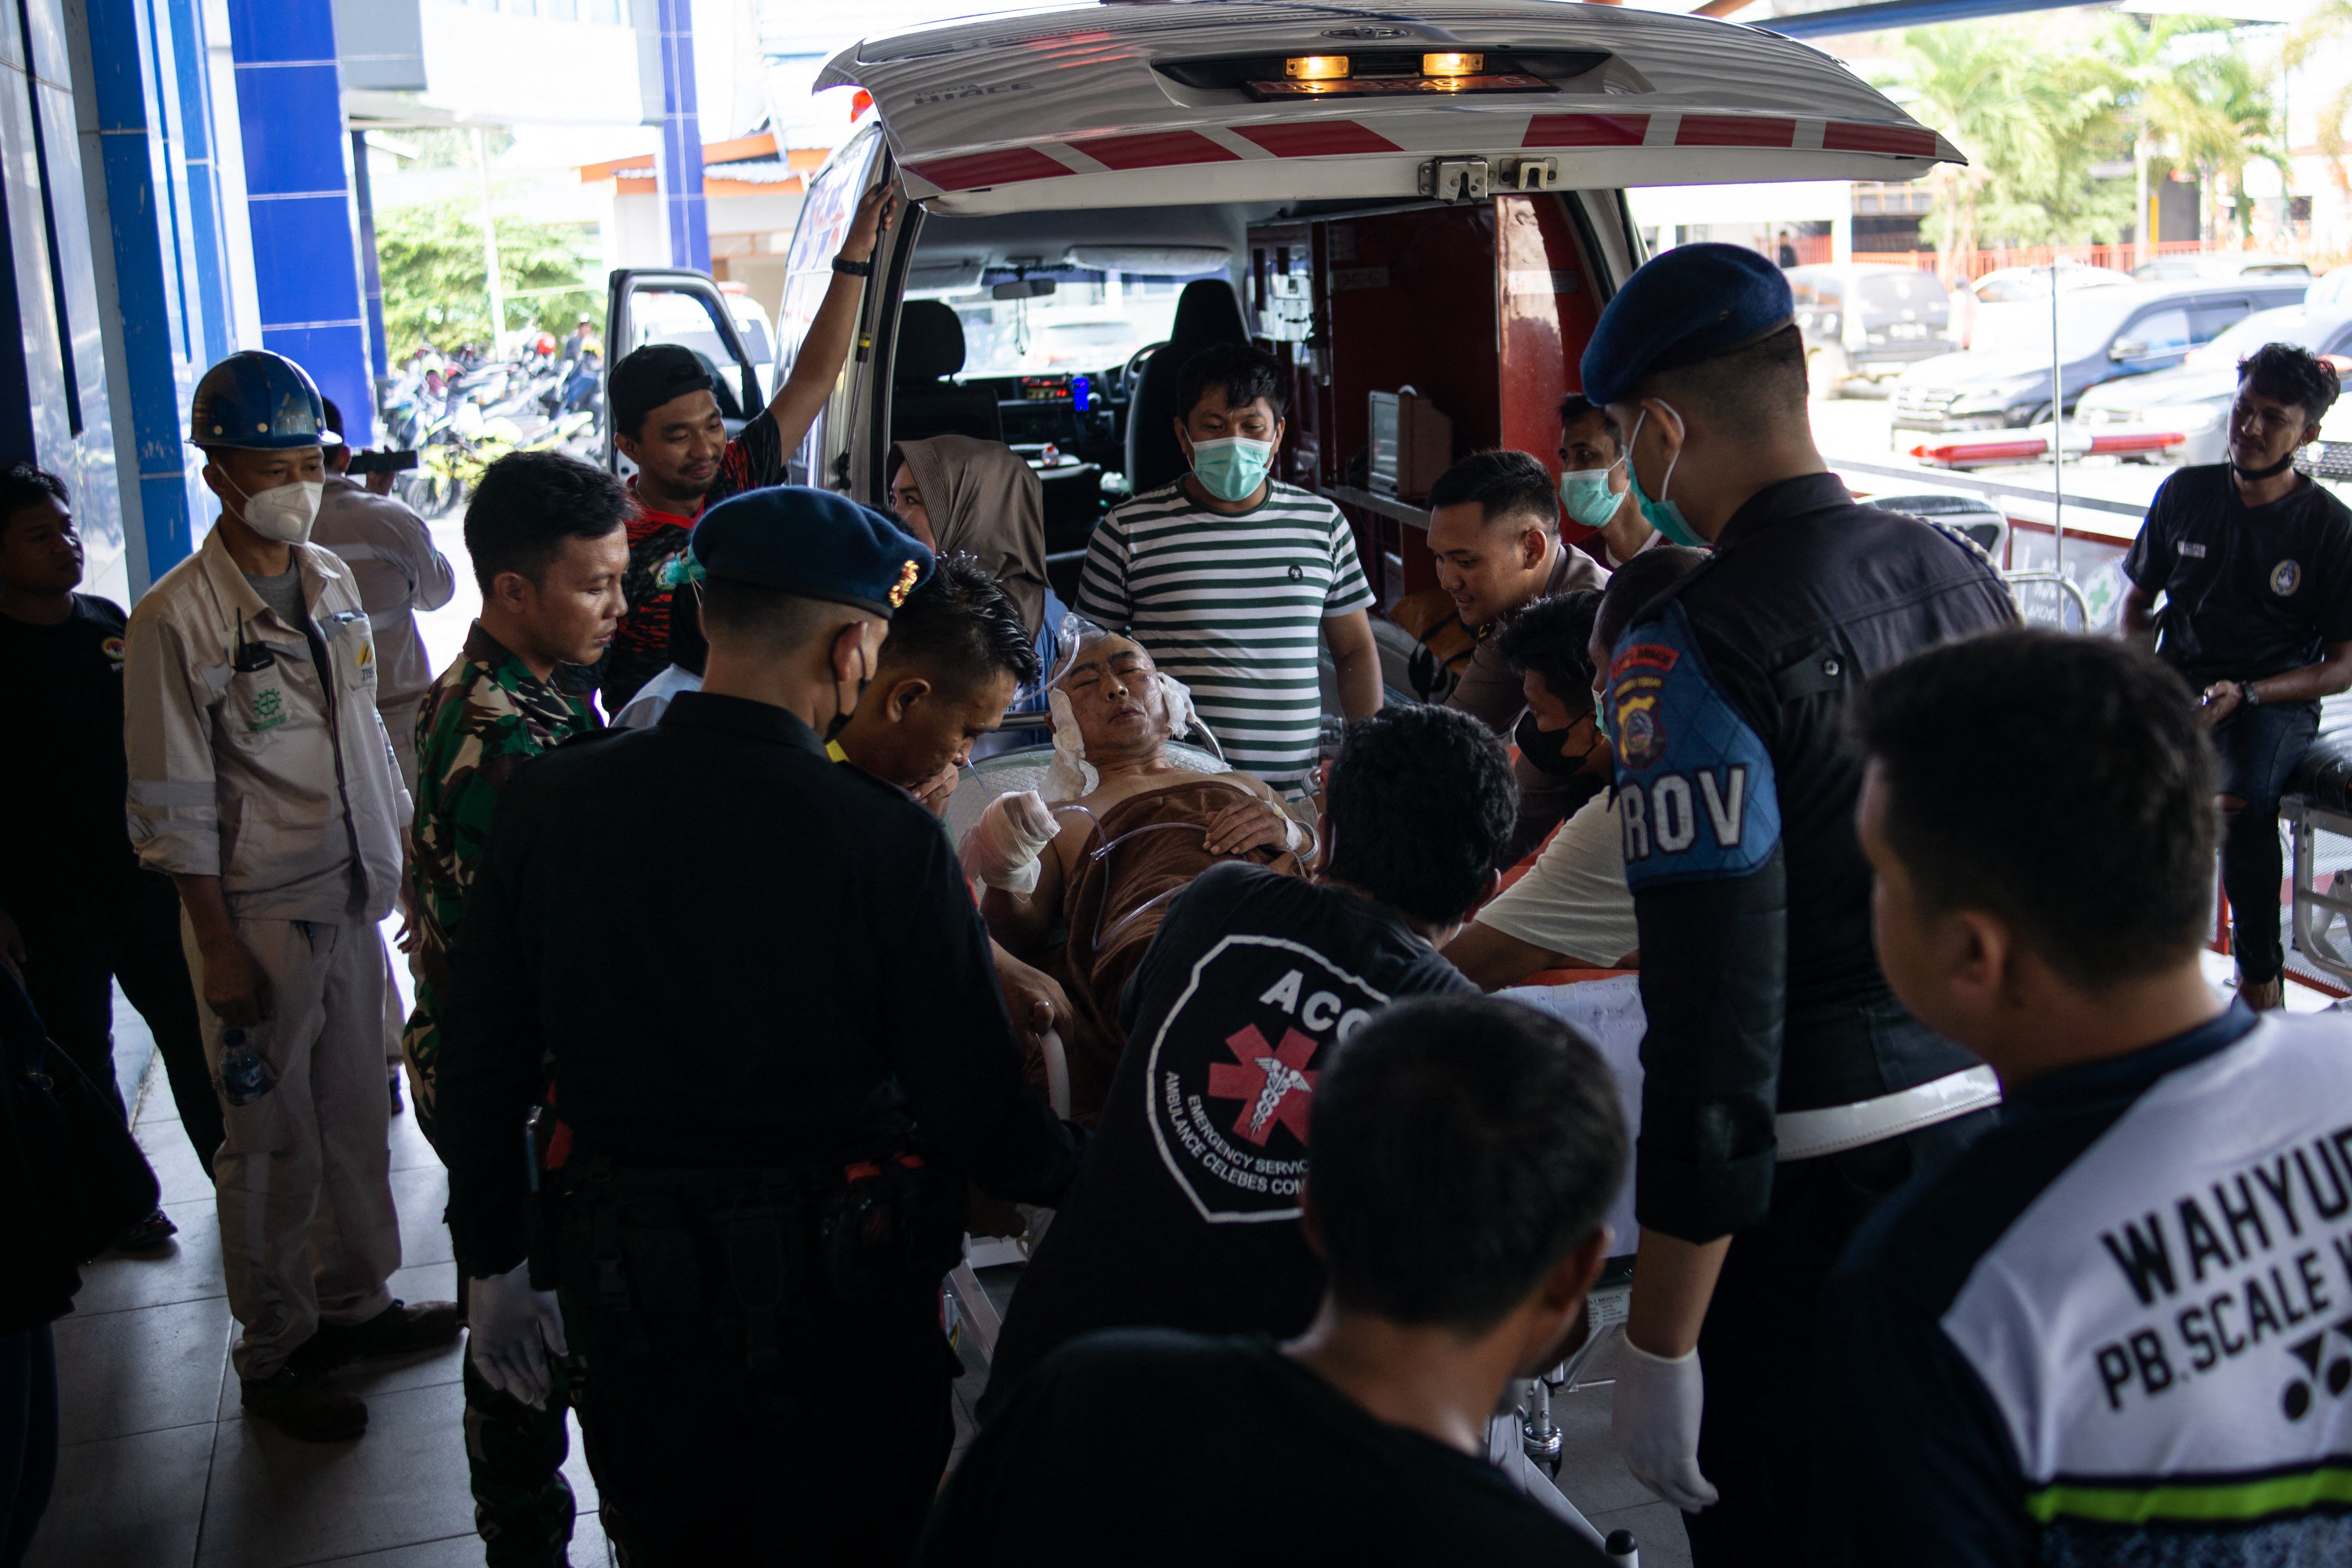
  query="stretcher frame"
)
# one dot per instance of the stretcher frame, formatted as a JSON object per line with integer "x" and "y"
{"x": 2311, "y": 909}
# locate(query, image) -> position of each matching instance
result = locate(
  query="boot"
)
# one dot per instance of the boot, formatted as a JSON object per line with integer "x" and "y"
{"x": 399, "y": 1329}
{"x": 306, "y": 1404}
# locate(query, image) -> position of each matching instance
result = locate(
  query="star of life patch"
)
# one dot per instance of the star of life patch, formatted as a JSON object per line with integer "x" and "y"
{"x": 1229, "y": 1085}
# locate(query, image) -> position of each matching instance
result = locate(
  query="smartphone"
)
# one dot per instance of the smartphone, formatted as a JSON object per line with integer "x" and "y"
{"x": 381, "y": 462}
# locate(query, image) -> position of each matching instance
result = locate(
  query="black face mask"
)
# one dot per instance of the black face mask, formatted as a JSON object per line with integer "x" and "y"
{"x": 2255, "y": 476}
{"x": 1545, "y": 750}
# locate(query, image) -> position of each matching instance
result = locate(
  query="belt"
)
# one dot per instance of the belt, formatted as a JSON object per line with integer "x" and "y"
{"x": 1833, "y": 1129}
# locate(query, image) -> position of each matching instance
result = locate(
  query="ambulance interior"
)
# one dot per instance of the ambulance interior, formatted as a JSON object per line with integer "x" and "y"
{"x": 1062, "y": 333}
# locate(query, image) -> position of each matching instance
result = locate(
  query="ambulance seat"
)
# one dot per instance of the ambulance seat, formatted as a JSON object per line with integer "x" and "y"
{"x": 1207, "y": 312}
{"x": 925, "y": 399}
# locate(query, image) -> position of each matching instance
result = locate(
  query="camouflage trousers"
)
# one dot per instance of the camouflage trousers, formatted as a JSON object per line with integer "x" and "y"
{"x": 514, "y": 1458}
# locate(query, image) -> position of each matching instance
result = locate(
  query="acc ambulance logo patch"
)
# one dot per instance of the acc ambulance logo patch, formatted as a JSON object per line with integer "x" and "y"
{"x": 112, "y": 648}
{"x": 2285, "y": 578}
{"x": 1231, "y": 1081}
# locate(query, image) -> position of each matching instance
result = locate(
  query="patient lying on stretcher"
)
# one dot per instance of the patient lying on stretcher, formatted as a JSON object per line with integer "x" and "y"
{"x": 1080, "y": 872}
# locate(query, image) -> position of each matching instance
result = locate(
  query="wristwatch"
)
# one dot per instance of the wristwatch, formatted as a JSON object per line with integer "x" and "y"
{"x": 2248, "y": 695}
{"x": 849, "y": 268}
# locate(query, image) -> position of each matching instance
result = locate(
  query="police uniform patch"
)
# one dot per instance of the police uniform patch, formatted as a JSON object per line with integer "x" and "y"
{"x": 1230, "y": 1082}
{"x": 1696, "y": 795}
{"x": 2285, "y": 578}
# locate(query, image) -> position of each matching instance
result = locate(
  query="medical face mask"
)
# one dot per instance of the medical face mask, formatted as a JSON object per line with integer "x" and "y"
{"x": 841, "y": 715}
{"x": 1662, "y": 515}
{"x": 1234, "y": 467}
{"x": 1601, "y": 714}
{"x": 284, "y": 512}
{"x": 1586, "y": 497}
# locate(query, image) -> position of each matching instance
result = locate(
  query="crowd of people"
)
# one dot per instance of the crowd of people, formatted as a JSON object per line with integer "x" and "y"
{"x": 1962, "y": 1202}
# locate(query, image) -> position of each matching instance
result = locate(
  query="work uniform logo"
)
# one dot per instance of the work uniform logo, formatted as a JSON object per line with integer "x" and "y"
{"x": 112, "y": 648}
{"x": 2285, "y": 578}
{"x": 1230, "y": 1088}
{"x": 268, "y": 711}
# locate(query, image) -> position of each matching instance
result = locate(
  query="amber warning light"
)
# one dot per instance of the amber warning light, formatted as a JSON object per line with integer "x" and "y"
{"x": 1316, "y": 68}
{"x": 1452, "y": 65}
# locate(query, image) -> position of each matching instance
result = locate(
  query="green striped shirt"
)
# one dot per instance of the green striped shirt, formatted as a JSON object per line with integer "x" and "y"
{"x": 1231, "y": 607}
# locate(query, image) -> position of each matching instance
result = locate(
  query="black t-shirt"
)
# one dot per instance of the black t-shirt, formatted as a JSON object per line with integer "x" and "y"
{"x": 2249, "y": 592}
{"x": 1185, "y": 1212}
{"x": 1244, "y": 1454}
{"x": 68, "y": 843}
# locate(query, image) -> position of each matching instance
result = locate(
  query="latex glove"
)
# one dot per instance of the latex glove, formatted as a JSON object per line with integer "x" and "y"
{"x": 1003, "y": 846}
{"x": 1655, "y": 1419}
{"x": 509, "y": 1327}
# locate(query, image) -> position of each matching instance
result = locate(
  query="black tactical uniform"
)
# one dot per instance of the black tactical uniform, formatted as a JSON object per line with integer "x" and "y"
{"x": 778, "y": 1053}
{"x": 1762, "y": 989}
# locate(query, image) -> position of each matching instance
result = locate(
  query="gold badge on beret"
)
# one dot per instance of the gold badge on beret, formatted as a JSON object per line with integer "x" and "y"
{"x": 907, "y": 575}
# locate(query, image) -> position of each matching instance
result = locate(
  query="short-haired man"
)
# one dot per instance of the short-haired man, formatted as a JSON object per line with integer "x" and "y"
{"x": 1595, "y": 492}
{"x": 1784, "y": 1088}
{"x": 665, "y": 417}
{"x": 2114, "y": 1329}
{"x": 1572, "y": 908}
{"x": 770, "y": 1115}
{"x": 545, "y": 533}
{"x": 1186, "y": 1216}
{"x": 2254, "y": 562}
{"x": 262, "y": 782}
{"x": 1494, "y": 529}
{"x": 1465, "y": 1152}
{"x": 85, "y": 913}
{"x": 1230, "y": 574}
{"x": 394, "y": 565}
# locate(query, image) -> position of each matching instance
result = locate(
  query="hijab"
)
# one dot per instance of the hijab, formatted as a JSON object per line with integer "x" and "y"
{"x": 986, "y": 503}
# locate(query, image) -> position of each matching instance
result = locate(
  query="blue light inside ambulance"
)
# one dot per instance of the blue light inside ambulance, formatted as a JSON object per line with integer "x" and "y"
{"x": 1079, "y": 387}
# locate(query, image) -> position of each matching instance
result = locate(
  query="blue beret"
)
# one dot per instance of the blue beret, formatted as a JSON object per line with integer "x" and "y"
{"x": 814, "y": 543}
{"x": 1694, "y": 302}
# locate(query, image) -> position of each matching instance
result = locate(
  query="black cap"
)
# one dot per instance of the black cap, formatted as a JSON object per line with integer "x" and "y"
{"x": 814, "y": 543}
{"x": 650, "y": 376}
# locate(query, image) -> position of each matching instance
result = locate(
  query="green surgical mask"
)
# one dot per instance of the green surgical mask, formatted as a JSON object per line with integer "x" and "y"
{"x": 1662, "y": 515}
{"x": 1231, "y": 469}
{"x": 1585, "y": 496}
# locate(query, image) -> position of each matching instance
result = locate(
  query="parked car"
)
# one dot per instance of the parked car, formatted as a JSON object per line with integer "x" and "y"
{"x": 2008, "y": 285}
{"x": 2104, "y": 334}
{"x": 1867, "y": 321}
{"x": 2193, "y": 398}
{"x": 2221, "y": 264}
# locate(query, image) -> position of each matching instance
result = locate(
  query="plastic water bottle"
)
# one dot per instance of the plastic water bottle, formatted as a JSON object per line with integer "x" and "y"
{"x": 245, "y": 1073}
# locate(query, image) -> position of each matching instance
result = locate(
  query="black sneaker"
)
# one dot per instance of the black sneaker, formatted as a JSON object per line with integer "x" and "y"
{"x": 399, "y": 1329}
{"x": 147, "y": 1235}
{"x": 306, "y": 1404}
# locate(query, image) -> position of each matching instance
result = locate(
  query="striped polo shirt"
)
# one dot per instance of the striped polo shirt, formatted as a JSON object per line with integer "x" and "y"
{"x": 1231, "y": 607}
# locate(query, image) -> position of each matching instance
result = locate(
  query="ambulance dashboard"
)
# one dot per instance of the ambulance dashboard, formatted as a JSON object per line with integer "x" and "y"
{"x": 1081, "y": 413}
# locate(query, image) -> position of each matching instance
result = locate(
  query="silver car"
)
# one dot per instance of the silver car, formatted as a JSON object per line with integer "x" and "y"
{"x": 2193, "y": 397}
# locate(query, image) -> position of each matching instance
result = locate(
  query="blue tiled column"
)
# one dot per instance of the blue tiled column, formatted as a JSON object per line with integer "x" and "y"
{"x": 372, "y": 279}
{"x": 680, "y": 170}
{"x": 133, "y": 90}
{"x": 299, "y": 198}
{"x": 208, "y": 286}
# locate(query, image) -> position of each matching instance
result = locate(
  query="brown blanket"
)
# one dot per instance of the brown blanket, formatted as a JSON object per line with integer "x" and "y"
{"x": 1101, "y": 894}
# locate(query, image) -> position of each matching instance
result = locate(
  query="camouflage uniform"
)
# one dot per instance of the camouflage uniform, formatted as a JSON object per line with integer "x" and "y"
{"x": 485, "y": 717}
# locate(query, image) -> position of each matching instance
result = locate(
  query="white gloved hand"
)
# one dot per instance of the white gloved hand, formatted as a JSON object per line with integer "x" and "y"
{"x": 508, "y": 1328}
{"x": 1003, "y": 846}
{"x": 1655, "y": 1418}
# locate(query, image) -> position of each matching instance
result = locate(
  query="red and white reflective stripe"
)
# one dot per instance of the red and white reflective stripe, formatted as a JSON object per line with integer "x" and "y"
{"x": 1171, "y": 149}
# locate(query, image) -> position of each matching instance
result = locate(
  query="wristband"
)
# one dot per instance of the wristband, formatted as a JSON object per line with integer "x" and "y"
{"x": 849, "y": 268}
{"x": 2248, "y": 695}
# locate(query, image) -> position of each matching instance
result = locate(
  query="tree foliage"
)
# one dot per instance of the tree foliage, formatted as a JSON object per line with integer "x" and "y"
{"x": 436, "y": 284}
{"x": 2037, "y": 115}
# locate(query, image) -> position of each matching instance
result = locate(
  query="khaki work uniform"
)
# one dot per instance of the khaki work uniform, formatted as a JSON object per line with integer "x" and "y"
{"x": 396, "y": 572}
{"x": 246, "y": 764}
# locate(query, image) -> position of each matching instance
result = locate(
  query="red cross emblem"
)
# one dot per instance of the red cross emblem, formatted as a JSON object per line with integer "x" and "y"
{"x": 1272, "y": 1082}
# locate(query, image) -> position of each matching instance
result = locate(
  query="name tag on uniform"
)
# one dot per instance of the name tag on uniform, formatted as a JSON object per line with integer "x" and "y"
{"x": 2194, "y": 550}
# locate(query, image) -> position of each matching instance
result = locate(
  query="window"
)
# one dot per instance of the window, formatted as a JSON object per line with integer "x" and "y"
{"x": 2209, "y": 318}
{"x": 2159, "y": 334}
{"x": 1091, "y": 321}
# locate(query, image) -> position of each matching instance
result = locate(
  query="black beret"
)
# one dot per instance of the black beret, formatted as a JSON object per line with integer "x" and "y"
{"x": 814, "y": 543}
{"x": 650, "y": 376}
{"x": 1694, "y": 302}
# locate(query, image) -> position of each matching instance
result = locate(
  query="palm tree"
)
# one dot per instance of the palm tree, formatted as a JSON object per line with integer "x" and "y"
{"x": 1963, "y": 81}
{"x": 2206, "y": 104}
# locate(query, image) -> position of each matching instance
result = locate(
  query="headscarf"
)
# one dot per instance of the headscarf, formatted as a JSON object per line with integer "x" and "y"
{"x": 986, "y": 503}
